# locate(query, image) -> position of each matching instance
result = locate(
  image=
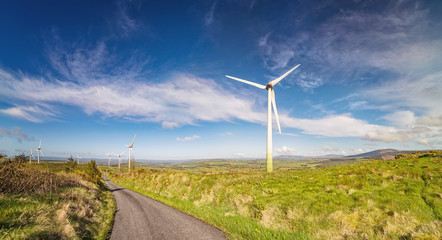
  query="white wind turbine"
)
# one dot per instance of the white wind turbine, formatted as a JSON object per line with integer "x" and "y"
{"x": 78, "y": 158}
{"x": 130, "y": 149}
{"x": 271, "y": 102}
{"x": 119, "y": 159}
{"x": 38, "y": 153}
{"x": 109, "y": 159}
{"x": 31, "y": 156}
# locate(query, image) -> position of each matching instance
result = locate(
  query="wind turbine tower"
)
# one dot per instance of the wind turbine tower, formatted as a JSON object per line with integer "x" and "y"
{"x": 119, "y": 160}
{"x": 130, "y": 149}
{"x": 38, "y": 153}
{"x": 31, "y": 156}
{"x": 271, "y": 102}
{"x": 78, "y": 158}
{"x": 109, "y": 159}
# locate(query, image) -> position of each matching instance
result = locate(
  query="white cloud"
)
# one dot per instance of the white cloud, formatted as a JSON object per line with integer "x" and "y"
{"x": 228, "y": 134}
{"x": 185, "y": 99}
{"x": 30, "y": 113}
{"x": 425, "y": 142}
{"x": 401, "y": 119}
{"x": 355, "y": 45}
{"x": 286, "y": 151}
{"x": 327, "y": 148}
{"x": 186, "y": 139}
{"x": 333, "y": 126}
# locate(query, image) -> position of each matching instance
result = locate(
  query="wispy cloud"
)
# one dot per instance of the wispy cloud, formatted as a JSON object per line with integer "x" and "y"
{"x": 186, "y": 139}
{"x": 124, "y": 22}
{"x": 185, "y": 99}
{"x": 227, "y": 134}
{"x": 209, "y": 17}
{"x": 34, "y": 113}
{"x": 16, "y": 133}
{"x": 353, "y": 46}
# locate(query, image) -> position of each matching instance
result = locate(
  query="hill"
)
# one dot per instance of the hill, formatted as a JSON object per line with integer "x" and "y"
{"x": 384, "y": 152}
{"x": 372, "y": 199}
{"x": 40, "y": 201}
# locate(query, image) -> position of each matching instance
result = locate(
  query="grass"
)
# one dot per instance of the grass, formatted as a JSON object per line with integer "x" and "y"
{"x": 42, "y": 202}
{"x": 371, "y": 199}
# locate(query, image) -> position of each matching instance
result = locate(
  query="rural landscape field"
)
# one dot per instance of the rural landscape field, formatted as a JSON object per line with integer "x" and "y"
{"x": 363, "y": 199}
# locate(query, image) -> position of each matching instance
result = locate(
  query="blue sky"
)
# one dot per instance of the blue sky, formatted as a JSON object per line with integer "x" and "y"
{"x": 84, "y": 77}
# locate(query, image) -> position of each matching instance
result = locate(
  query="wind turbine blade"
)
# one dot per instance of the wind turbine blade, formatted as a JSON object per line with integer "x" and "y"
{"x": 248, "y": 82}
{"x": 275, "y": 110}
{"x": 40, "y": 144}
{"x": 274, "y": 82}
{"x": 133, "y": 141}
{"x": 42, "y": 153}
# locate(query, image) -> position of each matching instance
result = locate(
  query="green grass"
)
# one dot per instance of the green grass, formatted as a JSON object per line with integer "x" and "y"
{"x": 37, "y": 203}
{"x": 370, "y": 199}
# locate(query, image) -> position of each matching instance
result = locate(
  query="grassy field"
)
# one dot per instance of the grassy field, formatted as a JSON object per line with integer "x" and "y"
{"x": 371, "y": 199}
{"x": 41, "y": 201}
{"x": 227, "y": 165}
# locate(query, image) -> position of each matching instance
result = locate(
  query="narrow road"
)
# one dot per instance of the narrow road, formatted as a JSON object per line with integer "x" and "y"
{"x": 140, "y": 217}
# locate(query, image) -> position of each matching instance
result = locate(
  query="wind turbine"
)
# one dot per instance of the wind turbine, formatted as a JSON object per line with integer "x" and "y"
{"x": 130, "y": 149}
{"x": 108, "y": 161}
{"x": 119, "y": 159}
{"x": 271, "y": 102}
{"x": 78, "y": 158}
{"x": 31, "y": 156}
{"x": 38, "y": 153}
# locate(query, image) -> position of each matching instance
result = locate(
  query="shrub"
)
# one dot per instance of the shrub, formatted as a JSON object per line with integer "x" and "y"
{"x": 93, "y": 173}
{"x": 71, "y": 165}
{"x": 20, "y": 158}
{"x": 18, "y": 178}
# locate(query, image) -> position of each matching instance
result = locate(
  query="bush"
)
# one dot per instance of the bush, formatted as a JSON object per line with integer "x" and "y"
{"x": 93, "y": 173}
{"x": 401, "y": 156}
{"x": 20, "y": 158}
{"x": 71, "y": 165}
{"x": 17, "y": 178}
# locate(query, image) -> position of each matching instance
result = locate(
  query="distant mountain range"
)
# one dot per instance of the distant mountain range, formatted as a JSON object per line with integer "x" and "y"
{"x": 383, "y": 152}
{"x": 308, "y": 157}
{"x": 373, "y": 154}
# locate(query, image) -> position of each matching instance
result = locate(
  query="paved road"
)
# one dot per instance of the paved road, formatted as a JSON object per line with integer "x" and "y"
{"x": 140, "y": 217}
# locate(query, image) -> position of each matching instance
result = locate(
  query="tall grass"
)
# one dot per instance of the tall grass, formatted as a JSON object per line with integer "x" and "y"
{"x": 367, "y": 200}
{"x": 41, "y": 204}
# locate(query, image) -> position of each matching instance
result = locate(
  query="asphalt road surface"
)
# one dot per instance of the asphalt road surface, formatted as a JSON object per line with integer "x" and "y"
{"x": 140, "y": 217}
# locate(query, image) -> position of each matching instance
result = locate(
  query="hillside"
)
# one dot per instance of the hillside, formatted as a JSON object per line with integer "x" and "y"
{"x": 383, "y": 152}
{"x": 365, "y": 200}
{"x": 43, "y": 202}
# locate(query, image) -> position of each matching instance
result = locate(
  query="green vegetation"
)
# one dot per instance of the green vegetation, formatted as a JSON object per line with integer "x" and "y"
{"x": 225, "y": 165}
{"x": 41, "y": 201}
{"x": 71, "y": 165}
{"x": 372, "y": 199}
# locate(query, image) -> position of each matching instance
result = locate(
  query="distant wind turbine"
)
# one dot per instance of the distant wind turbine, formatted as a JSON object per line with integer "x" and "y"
{"x": 31, "y": 156}
{"x": 130, "y": 149}
{"x": 78, "y": 158}
{"x": 271, "y": 102}
{"x": 108, "y": 161}
{"x": 38, "y": 153}
{"x": 119, "y": 160}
